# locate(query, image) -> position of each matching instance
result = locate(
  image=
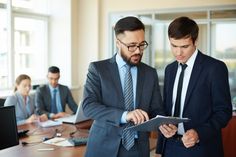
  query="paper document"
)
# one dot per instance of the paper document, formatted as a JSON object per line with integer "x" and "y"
{"x": 49, "y": 123}
{"x": 154, "y": 123}
{"x": 59, "y": 141}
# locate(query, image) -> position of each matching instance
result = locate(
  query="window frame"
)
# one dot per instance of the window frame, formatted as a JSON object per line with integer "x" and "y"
{"x": 13, "y": 13}
{"x": 205, "y": 19}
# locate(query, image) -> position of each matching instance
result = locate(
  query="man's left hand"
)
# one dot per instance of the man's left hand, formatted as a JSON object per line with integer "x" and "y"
{"x": 190, "y": 138}
{"x": 60, "y": 115}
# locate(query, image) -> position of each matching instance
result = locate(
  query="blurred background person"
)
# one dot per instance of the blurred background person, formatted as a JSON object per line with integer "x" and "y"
{"x": 196, "y": 86}
{"x": 52, "y": 98}
{"x": 24, "y": 102}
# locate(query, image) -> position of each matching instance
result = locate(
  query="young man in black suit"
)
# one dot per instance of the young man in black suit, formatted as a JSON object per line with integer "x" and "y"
{"x": 204, "y": 96}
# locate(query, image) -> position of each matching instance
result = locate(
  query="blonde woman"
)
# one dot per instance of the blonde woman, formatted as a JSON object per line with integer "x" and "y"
{"x": 24, "y": 103}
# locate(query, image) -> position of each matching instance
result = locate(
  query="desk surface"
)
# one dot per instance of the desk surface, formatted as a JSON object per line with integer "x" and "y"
{"x": 229, "y": 138}
{"x": 36, "y": 134}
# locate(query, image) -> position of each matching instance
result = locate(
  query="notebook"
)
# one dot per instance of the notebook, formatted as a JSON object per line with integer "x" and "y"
{"x": 78, "y": 117}
{"x": 49, "y": 123}
{"x": 9, "y": 133}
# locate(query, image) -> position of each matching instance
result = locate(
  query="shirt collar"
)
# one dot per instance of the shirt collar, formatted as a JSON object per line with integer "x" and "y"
{"x": 51, "y": 88}
{"x": 119, "y": 60}
{"x": 192, "y": 59}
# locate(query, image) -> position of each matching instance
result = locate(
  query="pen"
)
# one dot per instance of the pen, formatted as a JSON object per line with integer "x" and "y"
{"x": 46, "y": 149}
{"x": 57, "y": 141}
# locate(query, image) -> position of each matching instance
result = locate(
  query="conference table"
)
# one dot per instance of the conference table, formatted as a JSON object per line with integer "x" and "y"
{"x": 35, "y": 138}
{"x": 36, "y": 134}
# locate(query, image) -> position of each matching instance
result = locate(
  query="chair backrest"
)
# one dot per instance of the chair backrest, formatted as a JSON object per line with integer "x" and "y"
{"x": 9, "y": 133}
{"x": 34, "y": 87}
{"x": 2, "y": 101}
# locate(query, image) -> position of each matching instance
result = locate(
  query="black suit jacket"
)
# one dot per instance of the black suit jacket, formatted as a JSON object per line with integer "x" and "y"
{"x": 104, "y": 102}
{"x": 207, "y": 102}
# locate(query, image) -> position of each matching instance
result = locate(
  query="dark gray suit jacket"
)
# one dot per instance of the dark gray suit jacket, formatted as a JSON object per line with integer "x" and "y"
{"x": 207, "y": 104}
{"x": 103, "y": 101}
{"x": 43, "y": 99}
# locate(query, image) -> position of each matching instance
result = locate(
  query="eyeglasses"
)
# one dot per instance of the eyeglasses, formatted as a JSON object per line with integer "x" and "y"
{"x": 133, "y": 47}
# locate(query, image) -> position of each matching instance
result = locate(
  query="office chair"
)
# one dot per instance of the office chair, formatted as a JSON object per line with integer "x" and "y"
{"x": 2, "y": 101}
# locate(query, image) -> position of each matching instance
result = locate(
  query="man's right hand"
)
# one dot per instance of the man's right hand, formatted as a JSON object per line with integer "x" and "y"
{"x": 137, "y": 116}
{"x": 168, "y": 130}
{"x": 60, "y": 115}
{"x": 43, "y": 118}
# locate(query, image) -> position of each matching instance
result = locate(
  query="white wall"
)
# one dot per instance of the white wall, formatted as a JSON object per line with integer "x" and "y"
{"x": 88, "y": 37}
{"x": 60, "y": 39}
{"x": 63, "y": 48}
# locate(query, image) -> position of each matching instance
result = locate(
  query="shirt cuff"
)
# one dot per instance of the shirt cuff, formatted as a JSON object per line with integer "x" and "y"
{"x": 123, "y": 117}
{"x": 20, "y": 122}
{"x": 51, "y": 114}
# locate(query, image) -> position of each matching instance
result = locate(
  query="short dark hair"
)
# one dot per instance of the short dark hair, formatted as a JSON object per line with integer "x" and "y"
{"x": 183, "y": 27}
{"x": 129, "y": 23}
{"x": 53, "y": 69}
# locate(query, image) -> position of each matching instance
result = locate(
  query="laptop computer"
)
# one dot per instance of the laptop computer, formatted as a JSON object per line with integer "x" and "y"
{"x": 78, "y": 117}
{"x": 9, "y": 133}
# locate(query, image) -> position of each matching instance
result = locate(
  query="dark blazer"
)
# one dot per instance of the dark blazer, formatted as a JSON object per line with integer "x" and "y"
{"x": 103, "y": 101}
{"x": 207, "y": 103}
{"x": 43, "y": 99}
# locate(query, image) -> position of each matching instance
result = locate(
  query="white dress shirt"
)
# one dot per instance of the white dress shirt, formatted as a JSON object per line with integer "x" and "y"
{"x": 187, "y": 75}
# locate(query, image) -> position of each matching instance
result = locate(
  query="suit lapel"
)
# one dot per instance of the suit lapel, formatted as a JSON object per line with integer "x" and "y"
{"x": 197, "y": 68}
{"x": 61, "y": 95}
{"x": 48, "y": 97}
{"x": 20, "y": 100}
{"x": 171, "y": 74}
{"x": 140, "y": 81}
{"x": 115, "y": 77}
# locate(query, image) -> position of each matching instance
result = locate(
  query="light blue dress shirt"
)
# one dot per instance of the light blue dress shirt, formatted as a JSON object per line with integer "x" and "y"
{"x": 122, "y": 70}
{"x": 58, "y": 99}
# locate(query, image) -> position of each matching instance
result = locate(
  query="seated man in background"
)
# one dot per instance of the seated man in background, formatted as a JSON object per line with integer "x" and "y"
{"x": 24, "y": 102}
{"x": 51, "y": 99}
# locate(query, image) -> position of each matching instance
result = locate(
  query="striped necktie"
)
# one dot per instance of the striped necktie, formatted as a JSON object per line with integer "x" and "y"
{"x": 128, "y": 135}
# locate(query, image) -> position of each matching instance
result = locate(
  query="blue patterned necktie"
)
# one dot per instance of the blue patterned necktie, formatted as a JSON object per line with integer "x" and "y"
{"x": 179, "y": 91}
{"x": 54, "y": 102}
{"x": 128, "y": 136}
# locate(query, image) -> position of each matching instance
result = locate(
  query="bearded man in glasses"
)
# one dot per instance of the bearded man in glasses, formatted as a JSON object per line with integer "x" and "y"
{"x": 121, "y": 92}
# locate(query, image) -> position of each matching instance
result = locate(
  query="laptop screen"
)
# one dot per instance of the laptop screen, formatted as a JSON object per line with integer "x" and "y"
{"x": 8, "y": 135}
{"x": 78, "y": 117}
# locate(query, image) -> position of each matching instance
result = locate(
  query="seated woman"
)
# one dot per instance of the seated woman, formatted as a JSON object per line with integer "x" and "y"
{"x": 24, "y": 103}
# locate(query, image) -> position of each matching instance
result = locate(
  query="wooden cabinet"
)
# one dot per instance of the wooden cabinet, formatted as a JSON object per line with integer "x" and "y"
{"x": 229, "y": 138}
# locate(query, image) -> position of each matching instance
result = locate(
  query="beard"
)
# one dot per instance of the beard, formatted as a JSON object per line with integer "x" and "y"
{"x": 128, "y": 59}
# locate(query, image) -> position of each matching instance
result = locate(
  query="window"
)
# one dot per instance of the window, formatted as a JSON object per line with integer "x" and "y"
{"x": 30, "y": 44}
{"x": 3, "y": 49}
{"x": 217, "y": 37}
{"x": 23, "y": 38}
{"x": 224, "y": 48}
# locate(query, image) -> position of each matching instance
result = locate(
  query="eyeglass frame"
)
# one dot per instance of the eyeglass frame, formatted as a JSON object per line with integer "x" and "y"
{"x": 136, "y": 46}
